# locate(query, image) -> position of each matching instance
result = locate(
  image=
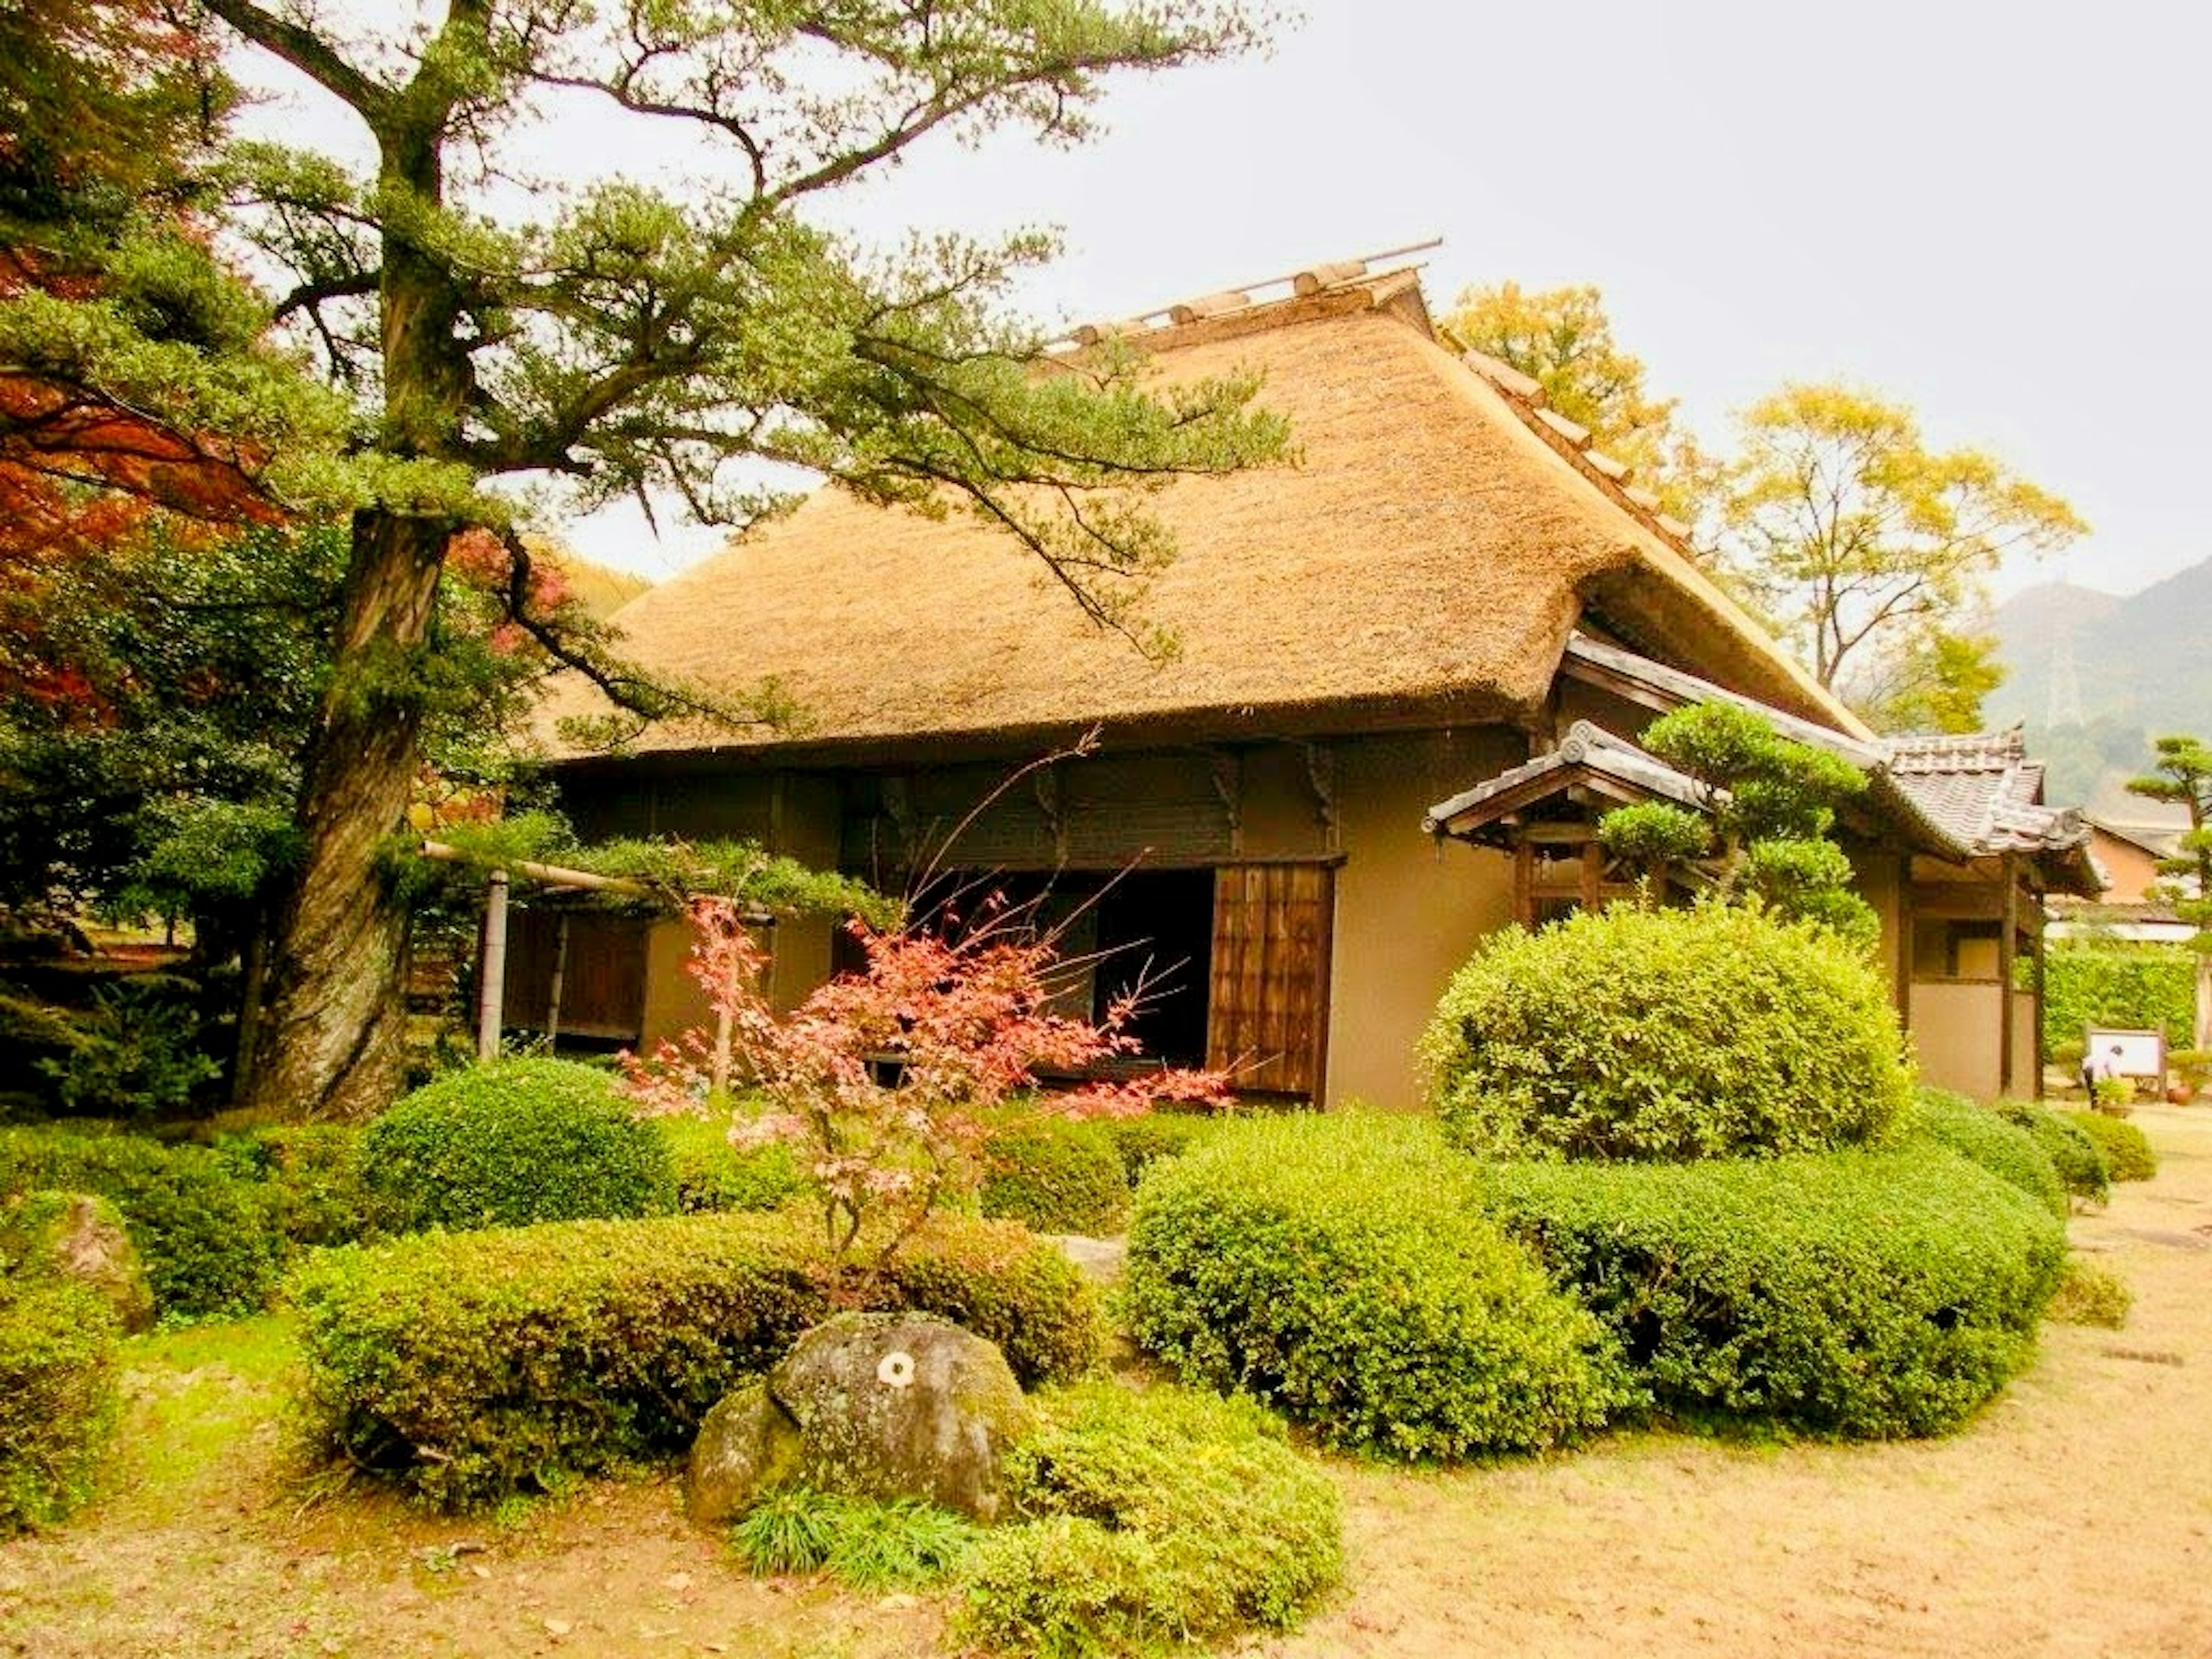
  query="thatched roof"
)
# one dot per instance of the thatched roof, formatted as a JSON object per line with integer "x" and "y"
{"x": 1423, "y": 562}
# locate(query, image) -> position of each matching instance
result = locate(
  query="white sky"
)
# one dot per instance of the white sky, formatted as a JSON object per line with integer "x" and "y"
{"x": 1994, "y": 212}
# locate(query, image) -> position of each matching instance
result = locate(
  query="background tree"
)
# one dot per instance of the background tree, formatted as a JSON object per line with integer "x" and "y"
{"x": 1858, "y": 540}
{"x": 622, "y": 340}
{"x": 1768, "y": 804}
{"x": 1934, "y": 681}
{"x": 1561, "y": 338}
{"x": 2183, "y": 774}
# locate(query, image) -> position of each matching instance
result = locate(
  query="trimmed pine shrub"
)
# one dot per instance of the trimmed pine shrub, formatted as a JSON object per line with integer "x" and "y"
{"x": 1153, "y": 1519}
{"x": 514, "y": 1142}
{"x": 1656, "y": 1035}
{"x": 1864, "y": 1295}
{"x": 58, "y": 1372}
{"x": 2080, "y": 1164}
{"x": 1334, "y": 1268}
{"x": 2125, "y": 1149}
{"x": 211, "y": 1242}
{"x": 472, "y": 1366}
{"x": 1055, "y": 1175}
{"x": 1999, "y": 1145}
{"x": 713, "y": 1176}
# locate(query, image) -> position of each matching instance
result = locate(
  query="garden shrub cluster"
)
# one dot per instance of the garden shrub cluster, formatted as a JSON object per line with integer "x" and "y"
{"x": 1859, "y": 1294}
{"x": 2003, "y": 1147}
{"x": 515, "y": 1142}
{"x": 713, "y": 1176}
{"x": 2125, "y": 1149}
{"x": 1330, "y": 1268}
{"x": 472, "y": 1366}
{"x": 59, "y": 1370}
{"x": 1154, "y": 1136}
{"x": 2091, "y": 1293}
{"x": 2128, "y": 986}
{"x": 1635, "y": 1034}
{"x": 315, "y": 1175}
{"x": 1151, "y": 1520}
{"x": 1055, "y": 1175}
{"x": 2081, "y": 1166}
{"x": 211, "y": 1240}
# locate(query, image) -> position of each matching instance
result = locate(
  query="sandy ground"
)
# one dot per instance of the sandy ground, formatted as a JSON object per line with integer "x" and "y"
{"x": 2074, "y": 1517}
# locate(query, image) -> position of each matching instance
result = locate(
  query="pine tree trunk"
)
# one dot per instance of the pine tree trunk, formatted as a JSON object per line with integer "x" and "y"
{"x": 331, "y": 1029}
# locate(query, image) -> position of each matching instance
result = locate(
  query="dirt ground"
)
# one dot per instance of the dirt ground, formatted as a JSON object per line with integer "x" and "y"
{"x": 2074, "y": 1517}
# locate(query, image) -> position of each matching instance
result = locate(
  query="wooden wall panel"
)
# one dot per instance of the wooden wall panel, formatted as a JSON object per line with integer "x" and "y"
{"x": 1268, "y": 998}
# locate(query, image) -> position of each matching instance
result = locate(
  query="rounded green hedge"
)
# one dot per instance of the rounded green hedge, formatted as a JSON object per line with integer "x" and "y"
{"x": 1858, "y": 1294}
{"x": 2079, "y": 1163}
{"x": 315, "y": 1175}
{"x": 711, "y": 1174}
{"x": 1327, "y": 1267}
{"x": 470, "y": 1366}
{"x": 515, "y": 1142}
{"x": 1637, "y": 1034}
{"x": 58, "y": 1372}
{"x": 1151, "y": 1137}
{"x": 1055, "y": 1176}
{"x": 2004, "y": 1148}
{"x": 2125, "y": 1149}
{"x": 211, "y": 1240}
{"x": 1148, "y": 1519}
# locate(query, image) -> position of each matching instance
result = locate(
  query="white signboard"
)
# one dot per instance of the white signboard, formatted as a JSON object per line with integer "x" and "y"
{"x": 2128, "y": 1054}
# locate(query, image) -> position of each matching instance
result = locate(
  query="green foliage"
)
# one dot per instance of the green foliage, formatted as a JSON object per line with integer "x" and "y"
{"x": 1055, "y": 1175}
{"x": 35, "y": 1232}
{"x": 2125, "y": 1149}
{"x": 1324, "y": 1265}
{"x": 2080, "y": 1164}
{"x": 2091, "y": 1293}
{"x": 470, "y": 1366}
{"x": 1857, "y": 1294}
{"x": 2128, "y": 988}
{"x": 1153, "y": 1520}
{"x": 710, "y": 1174}
{"x": 513, "y": 1142}
{"x": 210, "y": 1240}
{"x": 868, "y": 1544}
{"x": 1654, "y": 834}
{"x": 1639, "y": 1034}
{"x": 1977, "y": 1132}
{"x": 59, "y": 1371}
{"x": 316, "y": 1175}
{"x": 137, "y": 1054}
{"x": 1153, "y": 1136}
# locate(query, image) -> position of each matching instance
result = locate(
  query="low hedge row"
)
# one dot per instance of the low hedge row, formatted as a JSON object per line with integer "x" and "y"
{"x": 2003, "y": 1147}
{"x": 1152, "y": 1519}
{"x": 1859, "y": 1294}
{"x": 1329, "y": 1266}
{"x": 2125, "y": 1149}
{"x": 470, "y": 1366}
{"x": 1055, "y": 1176}
{"x": 212, "y": 1242}
{"x": 58, "y": 1369}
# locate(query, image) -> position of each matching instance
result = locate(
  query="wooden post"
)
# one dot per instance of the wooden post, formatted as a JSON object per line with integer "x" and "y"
{"x": 491, "y": 968}
{"x": 2008, "y": 949}
{"x": 2036, "y": 956}
{"x": 255, "y": 983}
{"x": 553, "y": 1000}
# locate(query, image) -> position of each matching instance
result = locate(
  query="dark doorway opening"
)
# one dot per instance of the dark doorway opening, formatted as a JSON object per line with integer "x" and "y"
{"x": 1156, "y": 927}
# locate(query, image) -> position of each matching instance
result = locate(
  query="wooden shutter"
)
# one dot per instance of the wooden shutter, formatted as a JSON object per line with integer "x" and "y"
{"x": 1267, "y": 1006}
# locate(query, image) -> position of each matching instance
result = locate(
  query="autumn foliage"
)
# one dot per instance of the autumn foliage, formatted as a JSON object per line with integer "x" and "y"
{"x": 891, "y": 1078}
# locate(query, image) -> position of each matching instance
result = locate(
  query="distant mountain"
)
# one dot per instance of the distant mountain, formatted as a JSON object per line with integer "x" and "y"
{"x": 2094, "y": 677}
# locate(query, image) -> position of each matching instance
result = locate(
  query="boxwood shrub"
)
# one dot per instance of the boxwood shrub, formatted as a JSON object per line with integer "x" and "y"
{"x": 58, "y": 1397}
{"x": 1857, "y": 1294}
{"x": 2080, "y": 1164}
{"x": 1332, "y": 1267}
{"x": 1149, "y": 1137}
{"x": 315, "y": 1176}
{"x": 711, "y": 1174}
{"x": 1999, "y": 1145}
{"x": 1151, "y": 1520}
{"x": 210, "y": 1239}
{"x": 513, "y": 1142}
{"x": 472, "y": 1365}
{"x": 2125, "y": 1149}
{"x": 1055, "y": 1175}
{"x": 1635, "y": 1034}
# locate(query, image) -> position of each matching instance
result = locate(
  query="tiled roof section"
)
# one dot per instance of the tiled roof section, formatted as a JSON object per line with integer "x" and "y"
{"x": 1967, "y": 752}
{"x": 1586, "y": 746}
{"x": 1983, "y": 788}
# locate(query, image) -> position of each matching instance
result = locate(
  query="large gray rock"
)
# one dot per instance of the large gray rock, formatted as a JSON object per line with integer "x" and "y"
{"x": 76, "y": 1235}
{"x": 872, "y": 1405}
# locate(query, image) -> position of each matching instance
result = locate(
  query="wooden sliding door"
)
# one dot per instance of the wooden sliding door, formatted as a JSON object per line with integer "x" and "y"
{"x": 1267, "y": 995}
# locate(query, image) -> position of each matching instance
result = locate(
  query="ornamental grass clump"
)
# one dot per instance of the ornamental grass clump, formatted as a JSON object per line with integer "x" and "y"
{"x": 1337, "y": 1270}
{"x": 1634, "y": 1033}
